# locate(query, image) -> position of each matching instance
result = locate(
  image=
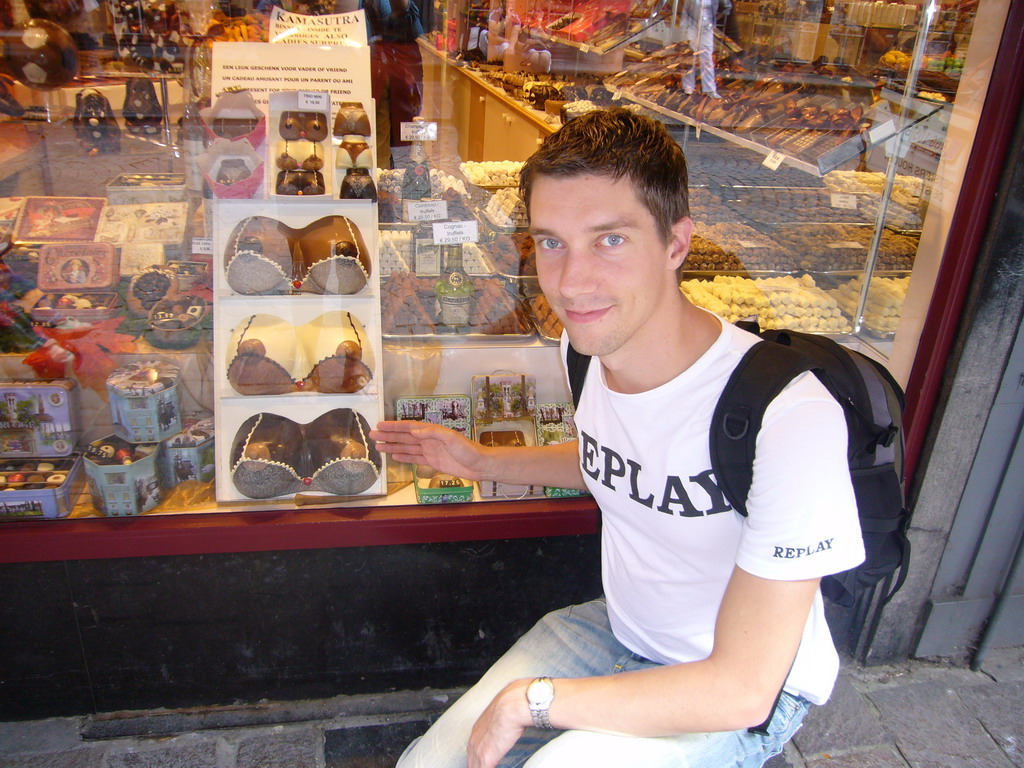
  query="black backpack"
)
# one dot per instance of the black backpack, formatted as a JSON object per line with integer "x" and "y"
{"x": 873, "y": 404}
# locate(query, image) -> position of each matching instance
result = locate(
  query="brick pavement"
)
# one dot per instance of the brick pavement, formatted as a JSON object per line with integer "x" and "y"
{"x": 916, "y": 714}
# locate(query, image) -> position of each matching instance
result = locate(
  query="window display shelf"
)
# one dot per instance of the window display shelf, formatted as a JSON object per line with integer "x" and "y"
{"x": 366, "y": 523}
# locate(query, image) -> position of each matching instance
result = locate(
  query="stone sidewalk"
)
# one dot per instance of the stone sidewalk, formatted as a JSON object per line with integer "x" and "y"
{"x": 917, "y": 714}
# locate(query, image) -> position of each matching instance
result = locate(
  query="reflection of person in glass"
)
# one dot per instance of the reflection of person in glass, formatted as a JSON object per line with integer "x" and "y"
{"x": 396, "y": 69}
{"x": 75, "y": 272}
{"x": 699, "y": 23}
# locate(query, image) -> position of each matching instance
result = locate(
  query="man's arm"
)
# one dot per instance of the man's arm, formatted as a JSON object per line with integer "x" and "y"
{"x": 448, "y": 451}
{"x": 757, "y": 635}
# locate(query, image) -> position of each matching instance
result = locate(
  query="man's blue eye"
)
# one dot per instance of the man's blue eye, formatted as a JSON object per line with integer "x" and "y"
{"x": 614, "y": 240}
{"x": 548, "y": 243}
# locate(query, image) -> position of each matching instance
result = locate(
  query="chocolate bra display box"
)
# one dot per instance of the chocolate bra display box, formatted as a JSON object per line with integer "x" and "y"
{"x": 124, "y": 479}
{"x": 555, "y": 425}
{"x": 503, "y": 408}
{"x": 454, "y": 412}
{"x": 132, "y": 188}
{"x": 144, "y": 401}
{"x": 40, "y": 488}
{"x": 78, "y": 281}
{"x": 38, "y": 418}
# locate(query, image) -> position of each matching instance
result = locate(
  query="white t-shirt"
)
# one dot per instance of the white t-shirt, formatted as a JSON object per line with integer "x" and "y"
{"x": 670, "y": 540}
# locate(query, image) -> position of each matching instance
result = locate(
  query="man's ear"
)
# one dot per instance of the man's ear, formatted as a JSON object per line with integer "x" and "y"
{"x": 679, "y": 244}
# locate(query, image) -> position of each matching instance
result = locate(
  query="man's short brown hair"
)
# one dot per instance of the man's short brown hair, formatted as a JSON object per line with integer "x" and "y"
{"x": 619, "y": 144}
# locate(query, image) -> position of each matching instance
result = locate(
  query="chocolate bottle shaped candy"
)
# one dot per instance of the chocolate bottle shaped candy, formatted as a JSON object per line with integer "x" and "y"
{"x": 416, "y": 182}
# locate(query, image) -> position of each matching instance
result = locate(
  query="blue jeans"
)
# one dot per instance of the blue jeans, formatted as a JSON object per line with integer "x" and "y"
{"x": 578, "y": 642}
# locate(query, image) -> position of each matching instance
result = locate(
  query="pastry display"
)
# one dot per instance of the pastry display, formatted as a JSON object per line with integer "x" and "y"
{"x": 492, "y": 173}
{"x": 505, "y": 209}
{"x": 830, "y": 247}
{"x": 544, "y": 318}
{"x": 512, "y": 254}
{"x": 776, "y": 302}
{"x": 706, "y": 255}
{"x": 273, "y": 456}
{"x": 407, "y": 307}
{"x": 270, "y": 356}
{"x": 884, "y": 302}
{"x": 750, "y": 248}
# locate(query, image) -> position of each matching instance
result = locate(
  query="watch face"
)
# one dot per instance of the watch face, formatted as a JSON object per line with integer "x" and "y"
{"x": 540, "y": 692}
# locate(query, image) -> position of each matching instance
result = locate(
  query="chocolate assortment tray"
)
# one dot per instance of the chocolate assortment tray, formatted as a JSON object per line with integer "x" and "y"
{"x": 548, "y": 326}
{"x": 497, "y": 311}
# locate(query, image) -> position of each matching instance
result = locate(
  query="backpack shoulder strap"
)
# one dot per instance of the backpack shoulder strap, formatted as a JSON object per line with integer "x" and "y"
{"x": 762, "y": 373}
{"x": 577, "y": 365}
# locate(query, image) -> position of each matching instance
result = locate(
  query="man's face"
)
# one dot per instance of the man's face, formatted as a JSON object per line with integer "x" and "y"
{"x": 602, "y": 265}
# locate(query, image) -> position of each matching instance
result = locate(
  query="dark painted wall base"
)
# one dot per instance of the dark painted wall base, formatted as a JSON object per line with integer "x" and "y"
{"x": 106, "y": 635}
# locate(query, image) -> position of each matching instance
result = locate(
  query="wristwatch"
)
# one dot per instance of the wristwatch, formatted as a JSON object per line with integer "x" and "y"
{"x": 539, "y": 695}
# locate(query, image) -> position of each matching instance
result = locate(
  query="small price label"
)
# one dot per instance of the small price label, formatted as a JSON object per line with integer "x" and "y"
{"x": 774, "y": 160}
{"x": 454, "y": 232}
{"x": 202, "y": 246}
{"x": 846, "y": 244}
{"x": 426, "y": 210}
{"x": 310, "y": 100}
{"x": 840, "y": 200}
{"x": 584, "y": 48}
{"x": 419, "y": 131}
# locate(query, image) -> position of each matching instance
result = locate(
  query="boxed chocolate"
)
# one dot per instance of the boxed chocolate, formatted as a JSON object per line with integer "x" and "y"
{"x": 164, "y": 224}
{"x": 78, "y": 280}
{"x": 130, "y": 188}
{"x": 454, "y": 412}
{"x": 124, "y": 479}
{"x": 38, "y": 418}
{"x": 503, "y": 415}
{"x": 188, "y": 455}
{"x": 144, "y": 401}
{"x": 34, "y": 488}
{"x": 555, "y": 425}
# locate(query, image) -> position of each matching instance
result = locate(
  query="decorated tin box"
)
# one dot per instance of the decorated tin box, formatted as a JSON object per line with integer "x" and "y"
{"x": 144, "y": 401}
{"x": 129, "y": 188}
{"x": 38, "y": 418}
{"x": 124, "y": 479}
{"x": 40, "y": 488}
{"x": 188, "y": 455}
{"x": 78, "y": 280}
{"x": 503, "y": 408}
{"x": 555, "y": 425}
{"x": 454, "y": 412}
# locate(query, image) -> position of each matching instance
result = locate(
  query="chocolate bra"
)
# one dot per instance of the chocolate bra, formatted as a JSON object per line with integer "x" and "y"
{"x": 300, "y": 183}
{"x": 311, "y": 162}
{"x": 311, "y": 126}
{"x": 270, "y": 356}
{"x": 273, "y": 456}
{"x": 265, "y": 256}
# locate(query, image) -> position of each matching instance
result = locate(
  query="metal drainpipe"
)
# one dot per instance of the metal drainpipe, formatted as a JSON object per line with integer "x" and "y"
{"x": 1000, "y": 605}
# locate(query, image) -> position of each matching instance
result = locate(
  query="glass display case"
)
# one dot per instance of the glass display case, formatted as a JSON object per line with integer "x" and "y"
{"x": 207, "y": 243}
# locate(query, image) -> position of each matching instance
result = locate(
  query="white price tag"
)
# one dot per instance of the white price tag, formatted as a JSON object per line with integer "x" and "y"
{"x": 419, "y": 131}
{"x": 584, "y": 48}
{"x": 846, "y": 244}
{"x": 426, "y": 210}
{"x": 883, "y": 131}
{"x": 774, "y": 160}
{"x": 314, "y": 102}
{"x": 848, "y": 202}
{"x": 453, "y": 232}
{"x": 202, "y": 246}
